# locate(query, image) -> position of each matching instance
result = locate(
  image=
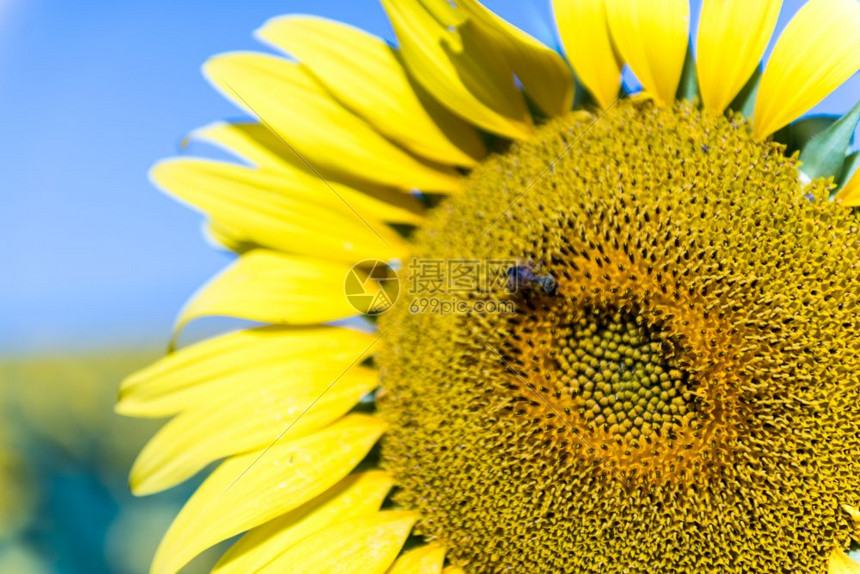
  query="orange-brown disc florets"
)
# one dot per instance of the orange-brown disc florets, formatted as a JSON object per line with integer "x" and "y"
{"x": 676, "y": 389}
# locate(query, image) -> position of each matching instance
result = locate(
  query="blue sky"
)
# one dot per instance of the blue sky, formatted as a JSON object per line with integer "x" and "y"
{"x": 93, "y": 93}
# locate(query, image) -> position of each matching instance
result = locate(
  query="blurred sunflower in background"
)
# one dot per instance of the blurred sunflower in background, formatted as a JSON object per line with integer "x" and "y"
{"x": 682, "y": 396}
{"x": 64, "y": 503}
{"x": 15, "y": 498}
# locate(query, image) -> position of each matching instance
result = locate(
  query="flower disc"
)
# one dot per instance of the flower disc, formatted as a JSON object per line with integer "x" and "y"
{"x": 684, "y": 397}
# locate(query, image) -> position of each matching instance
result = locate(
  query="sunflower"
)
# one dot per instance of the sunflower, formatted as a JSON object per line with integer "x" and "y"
{"x": 673, "y": 385}
{"x": 16, "y": 498}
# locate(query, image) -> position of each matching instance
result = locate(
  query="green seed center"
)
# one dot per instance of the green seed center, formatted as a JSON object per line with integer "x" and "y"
{"x": 624, "y": 376}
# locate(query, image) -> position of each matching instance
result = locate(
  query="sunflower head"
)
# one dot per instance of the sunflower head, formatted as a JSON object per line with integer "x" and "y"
{"x": 690, "y": 350}
{"x": 671, "y": 380}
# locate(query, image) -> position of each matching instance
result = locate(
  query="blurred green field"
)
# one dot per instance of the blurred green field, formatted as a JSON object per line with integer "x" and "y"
{"x": 64, "y": 460}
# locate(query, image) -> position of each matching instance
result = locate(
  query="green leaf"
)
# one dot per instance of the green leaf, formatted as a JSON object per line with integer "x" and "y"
{"x": 852, "y": 163}
{"x": 795, "y": 136}
{"x": 582, "y": 98}
{"x": 744, "y": 102}
{"x": 824, "y": 154}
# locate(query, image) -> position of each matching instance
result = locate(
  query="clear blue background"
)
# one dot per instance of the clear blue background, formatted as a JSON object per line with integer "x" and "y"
{"x": 92, "y": 94}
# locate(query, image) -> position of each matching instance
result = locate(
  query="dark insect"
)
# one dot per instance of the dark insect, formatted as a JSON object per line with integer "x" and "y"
{"x": 522, "y": 275}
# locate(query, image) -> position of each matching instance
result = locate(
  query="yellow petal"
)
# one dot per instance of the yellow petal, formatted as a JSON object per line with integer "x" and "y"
{"x": 652, "y": 37}
{"x": 422, "y": 560}
{"x": 849, "y": 195}
{"x": 379, "y": 90}
{"x": 259, "y": 486}
{"x": 371, "y": 541}
{"x": 257, "y": 144}
{"x": 841, "y": 563}
{"x": 453, "y": 570}
{"x": 323, "y": 133}
{"x": 280, "y": 406}
{"x": 252, "y": 142}
{"x": 273, "y": 288}
{"x": 456, "y": 69}
{"x": 732, "y": 39}
{"x": 181, "y": 379}
{"x": 817, "y": 51}
{"x": 544, "y": 75}
{"x": 271, "y": 211}
{"x": 356, "y": 495}
{"x": 220, "y": 236}
{"x": 587, "y": 44}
